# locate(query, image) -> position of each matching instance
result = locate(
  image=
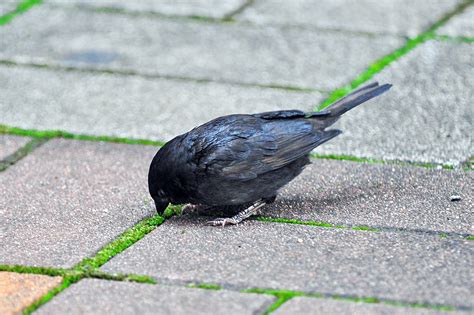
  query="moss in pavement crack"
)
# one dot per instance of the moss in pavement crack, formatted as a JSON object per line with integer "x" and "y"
{"x": 67, "y": 135}
{"x": 316, "y": 223}
{"x": 21, "y": 153}
{"x": 22, "y": 7}
{"x": 383, "y": 62}
{"x": 207, "y": 286}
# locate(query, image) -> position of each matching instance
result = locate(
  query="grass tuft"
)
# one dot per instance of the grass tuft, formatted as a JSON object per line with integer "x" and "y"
{"x": 316, "y": 223}
{"x": 22, "y": 7}
{"x": 34, "y": 270}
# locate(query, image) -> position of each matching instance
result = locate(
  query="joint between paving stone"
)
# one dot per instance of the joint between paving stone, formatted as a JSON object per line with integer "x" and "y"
{"x": 21, "y": 8}
{"x": 21, "y": 152}
{"x": 459, "y": 39}
{"x": 229, "y": 16}
{"x": 160, "y": 76}
{"x": 321, "y": 224}
{"x": 386, "y": 60}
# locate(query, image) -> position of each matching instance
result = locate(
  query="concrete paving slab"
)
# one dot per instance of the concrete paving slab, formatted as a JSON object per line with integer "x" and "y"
{"x": 7, "y": 6}
{"x": 9, "y": 144}
{"x": 401, "y": 17}
{"x": 304, "y": 305}
{"x": 67, "y": 199}
{"x": 210, "y": 8}
{"x": 395, "y": 266}
{"x": 426, "y": 116}
{"x": 352, "y": 194}
{"x": 18, "y": 291}
{"x": 460, "y": 25}
{"x": 217, "y": 51}
{"x": 128, "y": 106}
{"x": 99, "y": 297}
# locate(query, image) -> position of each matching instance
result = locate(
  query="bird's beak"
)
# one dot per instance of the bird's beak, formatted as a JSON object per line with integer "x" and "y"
{"x": 161, "y": 205}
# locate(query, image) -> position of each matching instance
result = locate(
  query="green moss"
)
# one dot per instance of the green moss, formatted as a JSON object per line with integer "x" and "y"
{"x": 378, "y": 161}
{"x": 124, "y": 241}
{"x": 22, "y": 7}
{"x": 470, "y": 238}
{"x": 386, "y": 60}
{"x": 34, "y": 270}
{"x": 21, "y": 153}
{"x": 280, "y": 300}
{"x": 207, "y": 286}
{"x": 67, "y": 281}
{"x": 316, "y": 223}
{"x": 67, "y": 135}
{"x": 461, "y": 39}
{"x": 443, "y": 235}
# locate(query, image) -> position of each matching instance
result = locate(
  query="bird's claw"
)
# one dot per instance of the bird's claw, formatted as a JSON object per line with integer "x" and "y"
{"x": 221, "y": 222}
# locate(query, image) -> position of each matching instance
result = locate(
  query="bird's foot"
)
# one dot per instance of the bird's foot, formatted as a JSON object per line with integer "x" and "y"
{"x": 223, "y": 222}
{"x": 239, "y": 217}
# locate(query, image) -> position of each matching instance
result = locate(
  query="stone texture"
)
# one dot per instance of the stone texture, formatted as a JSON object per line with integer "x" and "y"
{"x": 217, "y": 51}
{"x": 7, "y": 6}
{"x": 105, "y": 297}
{"x": 460, "y": 25}
{"x": 389, "y": 196}
{"x": 426, "y": 116}
{"x": 403, "y": 17}
{"x": 10, "y": 144}
{"x": 18, "y": 291}
{"x": 128, "y": 106}
{"x": 304, "y": 305}
{"x": 395, "y": 266}
{"x": 67, "y": 199}
{"x": 211, "y": 8}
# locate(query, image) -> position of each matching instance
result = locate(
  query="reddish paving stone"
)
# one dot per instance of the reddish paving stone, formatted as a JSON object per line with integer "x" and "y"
{"x": 18, "y": 291}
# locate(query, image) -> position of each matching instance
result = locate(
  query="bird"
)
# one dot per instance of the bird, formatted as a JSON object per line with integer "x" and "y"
{"x": 244, "y": 159}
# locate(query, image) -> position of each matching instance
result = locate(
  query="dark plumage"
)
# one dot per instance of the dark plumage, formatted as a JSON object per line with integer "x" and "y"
{"x": 242, "y": 159}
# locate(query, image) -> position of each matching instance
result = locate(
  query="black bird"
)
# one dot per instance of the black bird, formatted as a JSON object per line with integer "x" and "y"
{"x": 244, "y": 159}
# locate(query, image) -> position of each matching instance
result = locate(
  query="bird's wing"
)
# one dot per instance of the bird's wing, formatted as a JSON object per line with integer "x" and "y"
{"x": 253, "y": 146}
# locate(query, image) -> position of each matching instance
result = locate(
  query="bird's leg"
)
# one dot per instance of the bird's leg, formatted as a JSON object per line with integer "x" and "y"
{"x": 239, "y": 217}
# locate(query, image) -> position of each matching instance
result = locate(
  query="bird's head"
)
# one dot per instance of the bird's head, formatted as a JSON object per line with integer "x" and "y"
{"x": 155, "y": 186}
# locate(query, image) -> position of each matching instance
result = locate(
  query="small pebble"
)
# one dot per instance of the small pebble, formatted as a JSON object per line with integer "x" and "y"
{"x": 455, "y": 198}
{"x": 300, "y": 240}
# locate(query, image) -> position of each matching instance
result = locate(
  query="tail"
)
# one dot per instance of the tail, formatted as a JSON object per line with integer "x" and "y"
{"x": 332, "y": 113}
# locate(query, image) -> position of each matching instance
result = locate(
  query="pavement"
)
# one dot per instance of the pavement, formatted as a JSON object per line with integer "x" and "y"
{"x": 381, "y": 222}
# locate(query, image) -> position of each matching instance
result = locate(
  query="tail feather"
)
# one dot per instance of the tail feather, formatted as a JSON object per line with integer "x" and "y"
{"x": 332, "y": 113}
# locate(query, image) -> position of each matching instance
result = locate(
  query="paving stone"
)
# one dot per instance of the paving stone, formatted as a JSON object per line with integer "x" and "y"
{"x": 389, "y": 265}
{"x": 67, "y": 199}
{"x": 426, "y": 116}
{"x": 304, "y": 305}
{"x": 403, "y": 17}
{"x": 460, "y": 25}
{"x": 7, "y": 6}
{"x": 218, "y": 51}
{"x": 128, "y": 106}
{"x": 99, "y": 297}
{"x": 211, "y": 8}
{"x": 353, "y": 194}
{"x": 9, "y": 144}
{"x": 18, "y": 291}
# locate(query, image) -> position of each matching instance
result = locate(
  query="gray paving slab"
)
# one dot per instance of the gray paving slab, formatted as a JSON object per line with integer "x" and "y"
{"x": 389, "y": 196}
{"x": 67, "y": 199}
{"x": 217, "y": 51}
{"x": 128, "y": 106}
{"x": 10, "y": 144}
{"x": 426, "y": 116}
{"x": 7, "y": 6}
{"x": 401, "y": 17}
{"x": 99, "y": 297}
{"x": 460, "y": 25}
{"x": 396, "y": 266}
{"x": 210, "y": 8}
{"x": 304, "y": 305}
